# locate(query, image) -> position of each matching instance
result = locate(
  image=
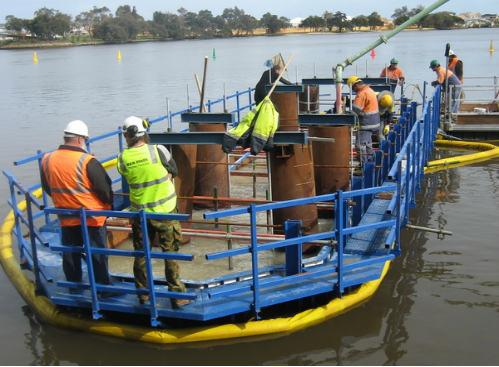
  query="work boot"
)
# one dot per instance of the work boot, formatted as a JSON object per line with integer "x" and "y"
{"x": 177, "y": 303}
{"x": 143, "y": 299}
{"x": 357, "y": 172}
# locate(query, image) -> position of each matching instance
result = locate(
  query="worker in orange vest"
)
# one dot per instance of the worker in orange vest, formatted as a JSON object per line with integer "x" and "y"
{"x": 456, "y": 65}
{"x": 365, "y": 106}
{"x": 393, "y": 73}
{"x": 454, "y": 83}
{"x": 75, "y": 179}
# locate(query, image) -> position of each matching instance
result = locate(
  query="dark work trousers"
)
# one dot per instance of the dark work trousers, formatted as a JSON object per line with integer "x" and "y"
{"x": 71, "y": 262}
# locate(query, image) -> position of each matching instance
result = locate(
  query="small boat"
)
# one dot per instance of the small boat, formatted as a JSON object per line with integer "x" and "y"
{"x": 478, "y": 115}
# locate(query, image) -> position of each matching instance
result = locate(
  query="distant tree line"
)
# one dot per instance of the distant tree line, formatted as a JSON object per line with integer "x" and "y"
{"x": 339, "y": 21}
{"x": 126, "y": 24}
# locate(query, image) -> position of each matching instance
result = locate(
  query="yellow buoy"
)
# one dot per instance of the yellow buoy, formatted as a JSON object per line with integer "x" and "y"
{"x": 491, "y": 46}
{"x": 119, "y": 55}
{"x": 35, "y": 59}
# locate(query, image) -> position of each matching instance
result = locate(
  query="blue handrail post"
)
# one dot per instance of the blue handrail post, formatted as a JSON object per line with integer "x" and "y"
{"x": 124, "y": 183}
{"x": 428, "y": 121}
{"x": 419, "y": 156}
{"x": 238, "y": 107}
{"x": 397, "y": 250}
{"x": 368, "y": 183}
{"x": 150, "y": 275}
{"x": 407, "y": 185}
{"x": 34, "y": 253}
{"x": 396, "y": 141}
{"x": 90, "y": 266}
{"x": 254, "y": 261}
{"x": 385, "y": 147}
{"x": 44, "y": 194}
{"x": 378, "y": 166}
{"x": 339, "y": 222}
{"x": 414, "y": 174}
{"x": 358, "y": 208}
{"x": 292, "y": 229}
{"x": 17, "y": 213}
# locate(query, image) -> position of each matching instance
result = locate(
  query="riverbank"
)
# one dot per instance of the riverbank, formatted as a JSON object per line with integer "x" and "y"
{"x": 23, "y": 44}
{"x": 72, "y": 42}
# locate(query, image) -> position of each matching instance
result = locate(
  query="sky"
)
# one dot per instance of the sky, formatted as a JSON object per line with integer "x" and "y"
{"x": 291, "y": 9}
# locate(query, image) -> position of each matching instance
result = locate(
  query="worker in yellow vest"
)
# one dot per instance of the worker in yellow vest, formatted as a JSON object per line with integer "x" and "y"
{"x": 149, "y": 170}
{"x": 386, "y": 105}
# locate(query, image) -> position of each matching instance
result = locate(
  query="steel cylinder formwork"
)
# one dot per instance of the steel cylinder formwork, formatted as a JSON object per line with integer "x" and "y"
{"x": 185, "y": 157}
{"x": 291, "y": 170}
{"x": 212, "y": 169}
{"x": 331, "y": 159}
{"x": 309, "y": 99}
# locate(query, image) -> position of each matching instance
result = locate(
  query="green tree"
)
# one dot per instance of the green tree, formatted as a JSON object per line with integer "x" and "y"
{"x": 444, "y": 20}
{"x": 327, "y": 16}
{"x": 400, "y": 15}
{"x": 166, "y": 25}
{"x": 232, "y": 16}
{"x": 374, "y": 21}
{"x": 93, "y": 18}
{"x": 360, "y": 21}
{"x": 314, "y": 22}
{"x": 273, "y": 24}
{"x": 125, "y": 10}
{"x": 201, "y": 25}
{"x": 15, "y": 24}
{"x": 338, "y": 20}
{"x": 415, "y": 11}
{"x": 248, "y": 24}
{"x": 111, "y": 30}
{"x": 49, "y": 23}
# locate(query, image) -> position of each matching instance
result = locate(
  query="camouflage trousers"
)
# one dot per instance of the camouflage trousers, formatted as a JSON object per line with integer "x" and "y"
{"x": 170, "y": 239}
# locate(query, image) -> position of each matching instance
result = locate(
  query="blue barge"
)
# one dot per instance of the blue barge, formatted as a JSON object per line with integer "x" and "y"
{"x": 304, "y": 290}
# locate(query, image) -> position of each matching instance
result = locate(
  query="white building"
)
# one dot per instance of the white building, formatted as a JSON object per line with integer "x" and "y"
{"x": 295, "y": 23}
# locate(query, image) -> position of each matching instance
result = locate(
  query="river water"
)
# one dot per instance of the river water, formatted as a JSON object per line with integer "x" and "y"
{"x": 439, "y": 303}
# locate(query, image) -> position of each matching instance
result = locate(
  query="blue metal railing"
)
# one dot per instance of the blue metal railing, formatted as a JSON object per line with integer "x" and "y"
{"x": 147, "y": 254}
{"x": 412, "y": 141}
{"x": 407, "y": 150}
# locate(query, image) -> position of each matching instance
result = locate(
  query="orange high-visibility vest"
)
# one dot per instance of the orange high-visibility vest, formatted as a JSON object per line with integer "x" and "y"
{"x": 392, "y": 74}
{"x": 452, "y": 66}
{"x": 365, "y": 106}
{"x": 66, "y": 173}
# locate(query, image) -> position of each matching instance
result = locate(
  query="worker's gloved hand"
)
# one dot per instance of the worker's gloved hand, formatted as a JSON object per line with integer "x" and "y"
{"x": 434, "y": 84}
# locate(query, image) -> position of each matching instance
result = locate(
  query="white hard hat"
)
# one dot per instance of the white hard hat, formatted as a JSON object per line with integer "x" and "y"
{"x": 451, "y": 53}
{"x": 76, "y": 128}
{"x": 135, "y": 126}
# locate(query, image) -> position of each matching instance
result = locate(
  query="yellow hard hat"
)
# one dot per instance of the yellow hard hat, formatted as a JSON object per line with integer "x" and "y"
{"x": 352, "y": 80}
{"x": 386, "y": 101}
